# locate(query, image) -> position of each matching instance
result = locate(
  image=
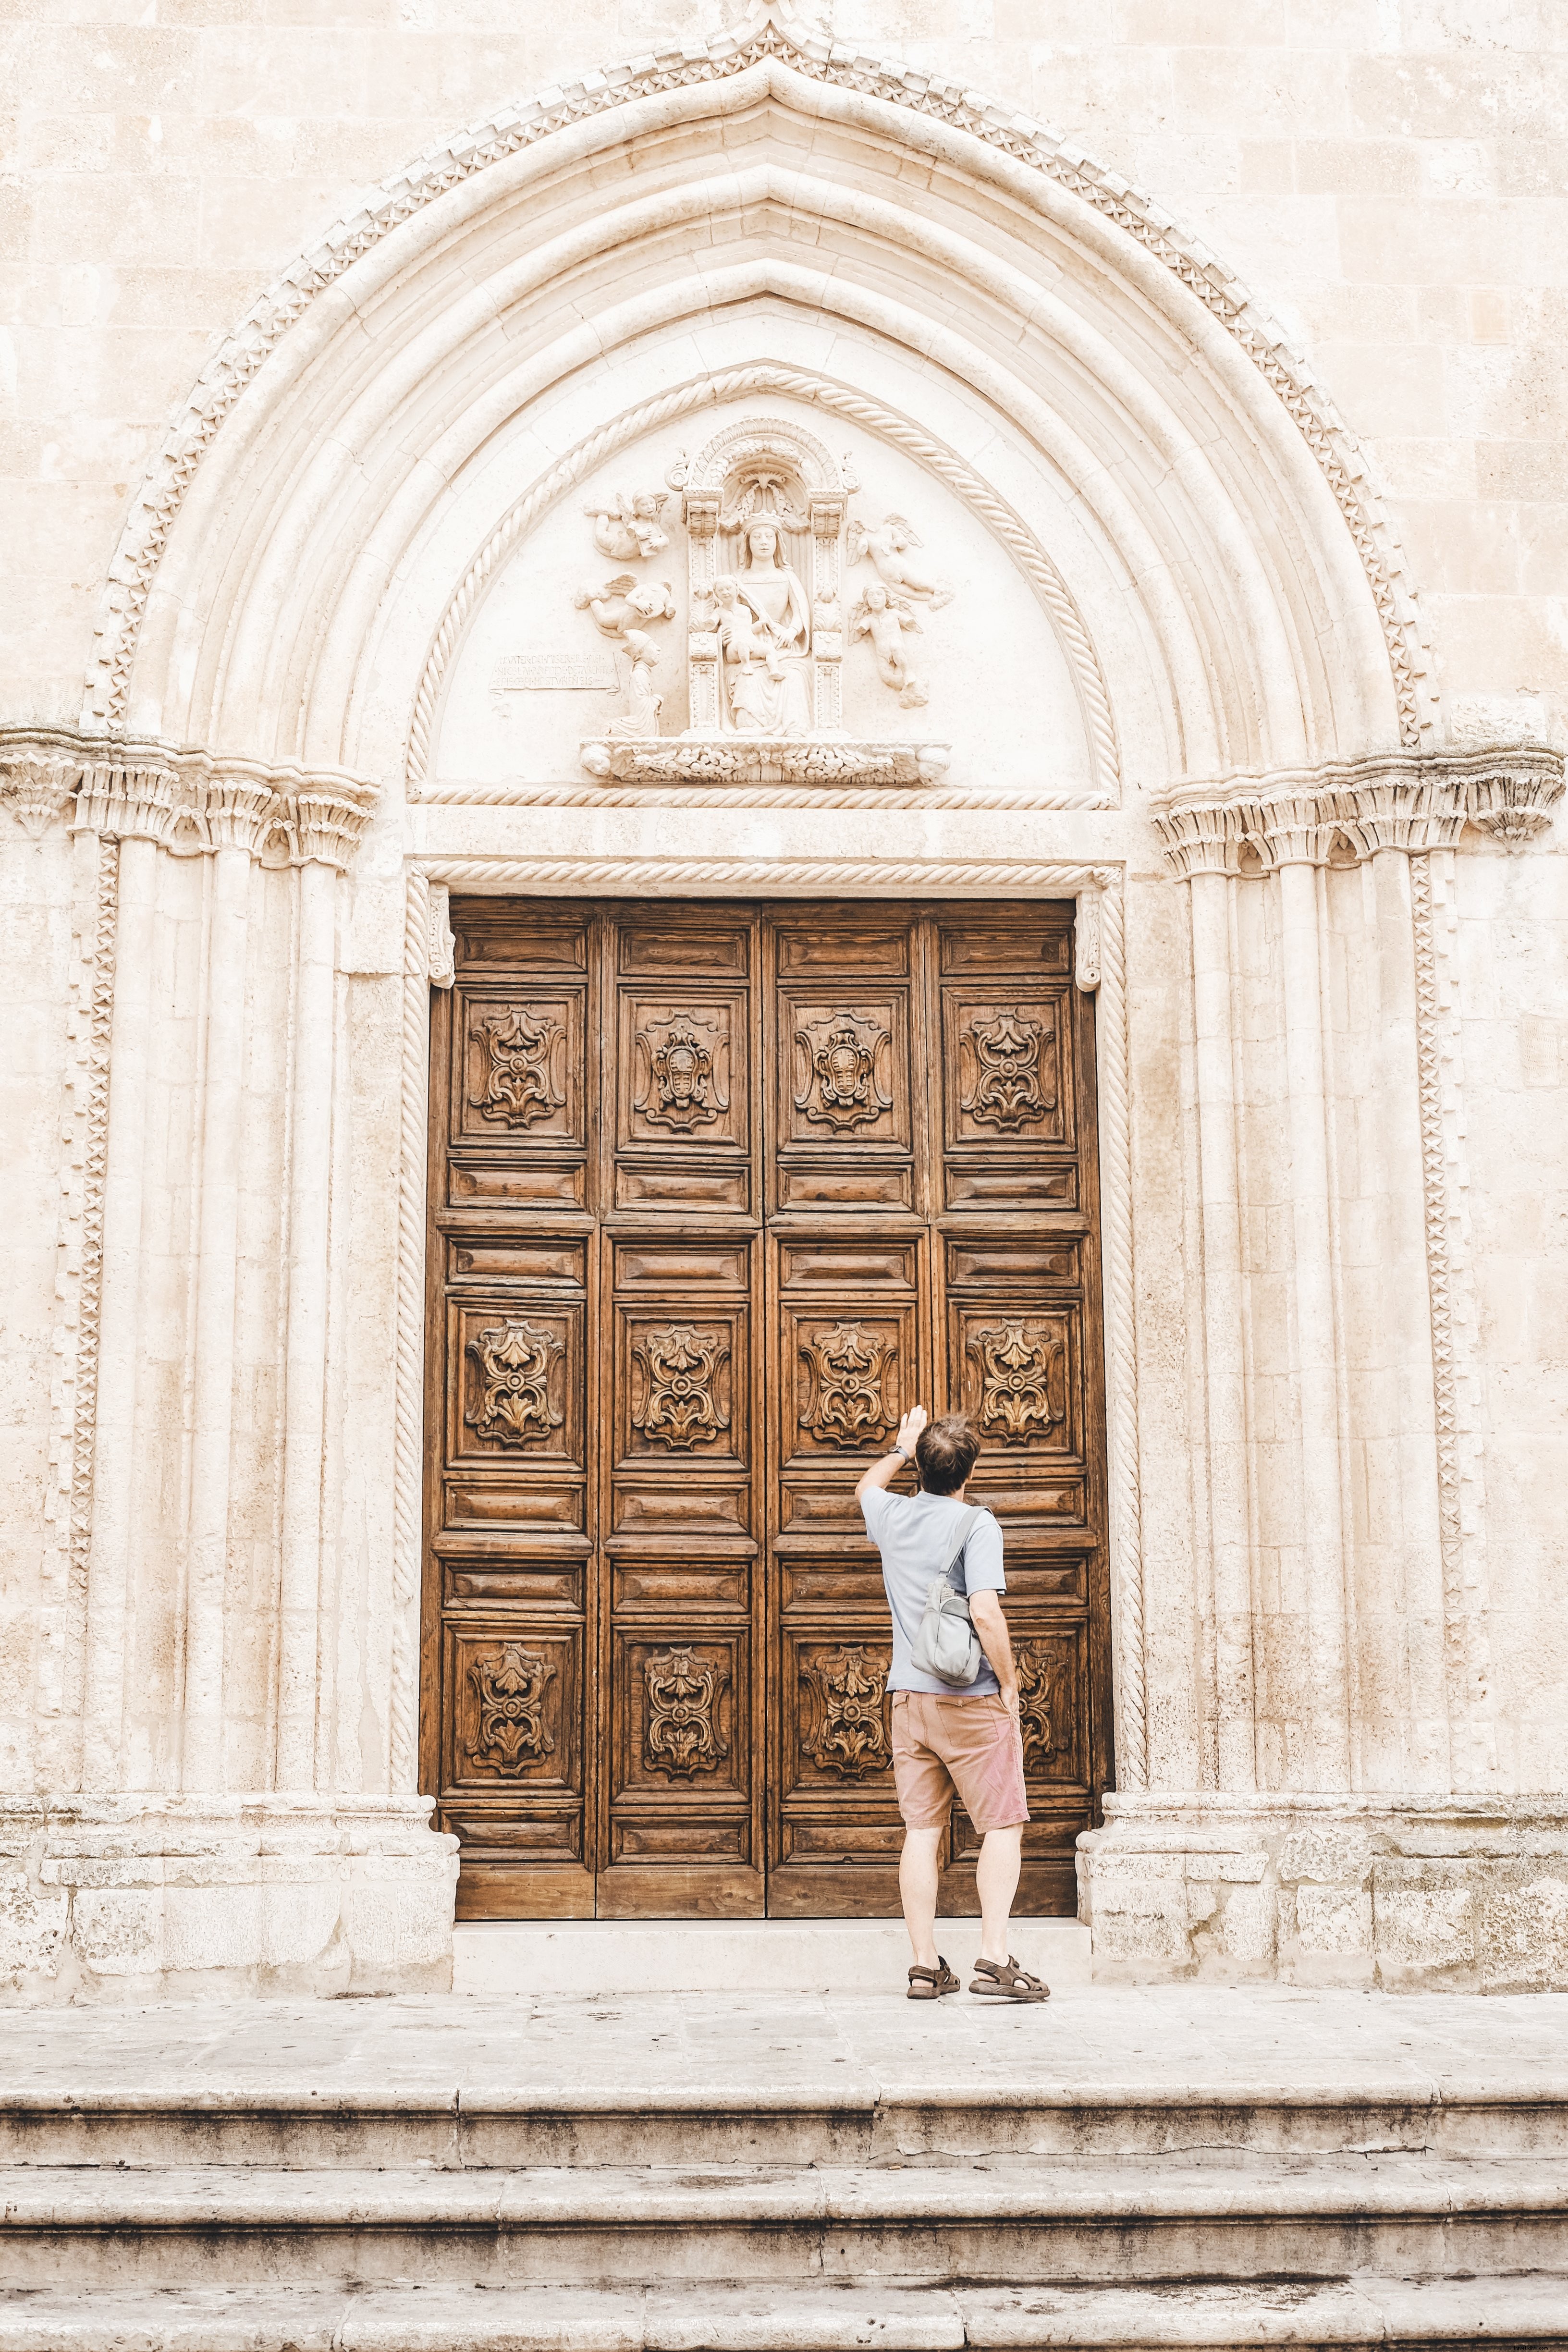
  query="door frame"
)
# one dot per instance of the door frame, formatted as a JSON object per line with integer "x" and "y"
{"x": 1099, "y": 969}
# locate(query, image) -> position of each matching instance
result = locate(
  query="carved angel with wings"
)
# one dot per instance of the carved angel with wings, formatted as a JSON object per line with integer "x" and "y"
{"x": 628, "y": 529}
{"x": 888, "y": 543}
{"x": 626, "y": 602}
{"x": 884, "y": 618}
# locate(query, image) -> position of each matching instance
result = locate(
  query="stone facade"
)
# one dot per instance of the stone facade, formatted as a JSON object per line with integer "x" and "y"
{"x": 1173, "y": 500}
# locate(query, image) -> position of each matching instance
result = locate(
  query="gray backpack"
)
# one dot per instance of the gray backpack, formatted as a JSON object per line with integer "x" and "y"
{"x": 947, "y": 1646}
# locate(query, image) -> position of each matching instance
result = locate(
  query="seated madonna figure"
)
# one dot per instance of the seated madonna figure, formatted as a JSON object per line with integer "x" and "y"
{"x": 764, "y": 636}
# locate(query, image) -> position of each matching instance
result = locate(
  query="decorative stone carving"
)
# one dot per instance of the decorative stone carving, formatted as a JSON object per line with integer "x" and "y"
{"x": 628, "y": 529}
{"x": 1351, "y": 809}
{"x": 682, "y": 1090}
{"x": 1086, "y": 943}
{"x": 847, "y": 1407}
{"x": 441, "y": 947}
{"x": 1005, "y": 1089}
{"x": 890, "y": 545}
{"x": 763, "y": 506}
{"x": 844, "y": 1089}
{"x": 509, "y": 1684}
{"x": 35, "y": 785}
{"x": 749, "y": 760}
{"x": 522, "y": 1051}
{"x": 1020, "y": 1381}
{"x": 850, "y": 1733}
{"x": 884, "y": 618}
{"x": 1037, "y": 1704}
{"x": 626, "y": 602}
{"x": 681, "y": 1735}
{"x": 676, "y": 1400}
{"x": 641, "y": 718}
{"x": 514, "y": 1360}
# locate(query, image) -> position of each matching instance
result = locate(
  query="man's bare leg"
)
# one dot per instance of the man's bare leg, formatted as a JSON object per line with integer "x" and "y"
{"x": 917, "y": 1891}
{"x": 997, "y": 1882}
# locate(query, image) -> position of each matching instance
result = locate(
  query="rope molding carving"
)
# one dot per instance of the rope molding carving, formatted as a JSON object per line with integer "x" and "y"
{"x": 823, "y": 392}
{"x": 875, "y": 877}
{"x": 886, "y": 82}
{"x": 408, "y": 1435}
{"x": 893, "y": 796}
{"x": 1111, "y": 1041}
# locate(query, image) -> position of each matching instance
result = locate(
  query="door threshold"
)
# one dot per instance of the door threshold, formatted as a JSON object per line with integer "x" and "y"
{"x": 624, "y": 1956}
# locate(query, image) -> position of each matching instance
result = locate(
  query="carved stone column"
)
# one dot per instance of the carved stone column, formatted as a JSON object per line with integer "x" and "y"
{"x": 235, "y": 808}
{"x": 134, "y": 806}
{"x": 324, "y": 828}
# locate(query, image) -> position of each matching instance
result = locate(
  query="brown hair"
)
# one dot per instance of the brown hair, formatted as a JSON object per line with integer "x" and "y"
{"x": 945, "y": 1452}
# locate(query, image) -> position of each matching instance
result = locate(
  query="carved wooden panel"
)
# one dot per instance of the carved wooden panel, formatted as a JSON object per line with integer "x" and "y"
{"x": 716, "y": 1191}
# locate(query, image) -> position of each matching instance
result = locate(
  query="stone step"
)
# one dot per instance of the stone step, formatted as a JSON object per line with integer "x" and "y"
{"x": 601, "y": 1957}
{"x": 1343, "y": 2314}
{"x": 839, "y": 2122}
{"x": 1100, "y": 2221}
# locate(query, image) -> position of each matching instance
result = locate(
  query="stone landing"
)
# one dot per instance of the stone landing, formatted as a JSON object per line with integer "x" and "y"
{"x": 766, "y": 2172}
{"x": 734, "y": 1957}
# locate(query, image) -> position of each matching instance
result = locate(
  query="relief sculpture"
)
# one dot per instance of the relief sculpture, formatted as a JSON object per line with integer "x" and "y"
{"x": 1021, "y": 1379}
{"x": 514, "y": 1361}
{"x": 846, "y": 1365}
{"x": 628, "y": 529}
{"x": 522, "y": 1055}
{"x": 1036, "y": 1701}
{"x": 843, "y": 1089}
{"x": 850, "y": 1733}
{"x": 1005, "y": 1089}
{"x": 675, "y": 1398}
{"x": 884, "y": 618}
{"x": 682, "y": 1737}
{"x": 509, "y": 1684}
{"x": 889, "y": 545}
{"x": 679, "y": 1088}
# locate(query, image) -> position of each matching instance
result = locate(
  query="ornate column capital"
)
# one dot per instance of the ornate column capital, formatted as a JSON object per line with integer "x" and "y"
{"x": 192, "y": 800}
{"x": 1407, "y": 801}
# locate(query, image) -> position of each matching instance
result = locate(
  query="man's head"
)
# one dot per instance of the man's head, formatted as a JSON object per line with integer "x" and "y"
{"x": 945, "y": 1452}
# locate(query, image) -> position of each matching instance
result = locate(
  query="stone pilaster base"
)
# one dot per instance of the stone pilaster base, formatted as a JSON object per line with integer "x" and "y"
{"x": 151, "y": 1898}
{"x": 1446, "y": 1893}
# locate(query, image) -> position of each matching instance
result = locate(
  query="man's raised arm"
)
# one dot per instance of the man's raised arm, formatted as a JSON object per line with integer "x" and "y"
{"x": 883, "y": 1472}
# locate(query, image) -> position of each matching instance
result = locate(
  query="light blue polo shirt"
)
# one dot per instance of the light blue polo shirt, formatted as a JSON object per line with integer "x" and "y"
{"x": 915, "y": 1535}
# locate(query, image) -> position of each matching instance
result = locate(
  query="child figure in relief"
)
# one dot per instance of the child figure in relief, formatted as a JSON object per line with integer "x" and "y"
{"x": 884, "y": 618}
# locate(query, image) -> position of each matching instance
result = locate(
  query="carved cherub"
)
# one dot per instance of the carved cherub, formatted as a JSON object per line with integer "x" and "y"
{"x": 884, "y": 619}
{"x": 888, "y": 543}
{"x": 627, "y": 530}
{"x": 643, "y": 705}
{"x": 626, "y": 602}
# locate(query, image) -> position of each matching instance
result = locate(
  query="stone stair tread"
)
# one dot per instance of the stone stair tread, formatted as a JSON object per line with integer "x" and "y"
{"x": 85, "y": 2197}
{"x": 413, "y": 2317}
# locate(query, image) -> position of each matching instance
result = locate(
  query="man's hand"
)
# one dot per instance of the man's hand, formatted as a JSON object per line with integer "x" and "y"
{"x": 909, "y": 1428}
{"x": 883, "y": 1472}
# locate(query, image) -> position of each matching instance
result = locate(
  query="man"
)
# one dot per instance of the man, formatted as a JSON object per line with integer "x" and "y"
{"x": 947, "y": 1736}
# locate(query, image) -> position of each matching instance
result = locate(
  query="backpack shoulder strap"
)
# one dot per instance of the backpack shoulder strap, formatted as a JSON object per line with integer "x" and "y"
{"x": 971, "y": 1513}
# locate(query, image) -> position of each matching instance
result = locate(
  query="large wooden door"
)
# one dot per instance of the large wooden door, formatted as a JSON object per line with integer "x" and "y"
{"x": 716, "y": 1191}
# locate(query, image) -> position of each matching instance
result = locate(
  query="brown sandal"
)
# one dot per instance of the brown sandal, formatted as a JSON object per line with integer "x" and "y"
{"x": 926, "y": 1983}
{"x": 1006, "y": 1978}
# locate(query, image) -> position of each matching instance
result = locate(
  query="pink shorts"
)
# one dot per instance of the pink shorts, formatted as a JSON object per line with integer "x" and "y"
{"x": 971, "y": 1745}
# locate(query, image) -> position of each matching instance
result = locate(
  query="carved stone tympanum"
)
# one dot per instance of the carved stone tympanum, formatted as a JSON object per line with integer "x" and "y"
{"x": 1004, "y": 1088}
{"x": 676, "y": 1399}
{"x": 510, "y": 1683}
{"x": 521, "y": 1051}
{"x": 681, "y": 1735}
{"x": 514, "y": 1361}
{"x": 1021, "y": 1373}
{"x": 846, "y": 1405}
{"x": 849, "y": 1734}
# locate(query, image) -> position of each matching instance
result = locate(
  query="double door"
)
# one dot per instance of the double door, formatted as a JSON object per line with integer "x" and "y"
{"x": 716, "y": 1193}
